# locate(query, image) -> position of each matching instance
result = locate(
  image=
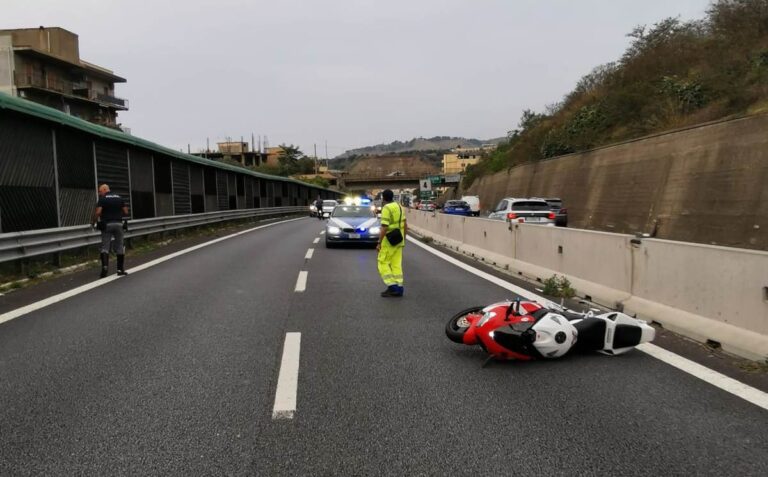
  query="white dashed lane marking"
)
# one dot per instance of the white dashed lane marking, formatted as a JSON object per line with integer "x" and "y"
{"x": 288, "y": 379}
{"x": 301, "y": 282}
{"x": 13, "y": 314}
{"x": 309, "y": 254}
{"x": 316, "y": 240}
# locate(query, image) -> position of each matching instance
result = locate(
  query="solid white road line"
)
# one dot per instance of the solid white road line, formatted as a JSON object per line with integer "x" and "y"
{"x": 103, "y": 281}
{"x": 317, "y": 239}
{"x": 301, "y": 282}
{"x": 309, "y": 254}
{"x": 744, "y": 391}
{"x": 288, "y": 379}
{"x": 748, "y": 393}
{"x": 484, "y": 275}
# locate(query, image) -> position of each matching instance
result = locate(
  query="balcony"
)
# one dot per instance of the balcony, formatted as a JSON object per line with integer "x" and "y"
{"x": 72, "y": 89}
{"x": 41, "y": 81}
{"x": 113, "y": 101}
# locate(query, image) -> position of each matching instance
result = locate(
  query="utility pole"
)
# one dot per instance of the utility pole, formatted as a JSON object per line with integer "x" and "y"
{"x": 315, "y": 158}
{"x": 207, "y": 147}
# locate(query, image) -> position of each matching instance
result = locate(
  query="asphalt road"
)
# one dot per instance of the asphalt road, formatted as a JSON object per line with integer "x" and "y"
{"x": 173, "y": 370}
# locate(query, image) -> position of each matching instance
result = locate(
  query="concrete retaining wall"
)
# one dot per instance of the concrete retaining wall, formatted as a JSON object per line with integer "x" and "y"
{"x": 701, "y": 291}
{"x": 705, "y": 184}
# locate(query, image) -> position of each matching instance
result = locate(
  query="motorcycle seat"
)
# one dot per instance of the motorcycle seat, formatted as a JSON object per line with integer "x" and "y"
{"x": 591, "y": 334}
{"x": 625, "y": 336}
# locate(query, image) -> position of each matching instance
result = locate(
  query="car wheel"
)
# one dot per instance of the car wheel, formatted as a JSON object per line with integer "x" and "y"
{"x": 458, "y": 324}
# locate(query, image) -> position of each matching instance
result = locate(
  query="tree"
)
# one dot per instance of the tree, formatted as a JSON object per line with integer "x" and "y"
{"x": 288, "y": 158}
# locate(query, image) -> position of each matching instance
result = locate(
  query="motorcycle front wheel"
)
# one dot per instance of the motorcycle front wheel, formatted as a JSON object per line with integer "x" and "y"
{"x": 458, "y": 324}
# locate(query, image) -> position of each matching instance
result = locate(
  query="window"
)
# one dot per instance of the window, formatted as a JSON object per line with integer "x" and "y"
{"x": 530, "y": 205}
{"x": 502, "y": 206}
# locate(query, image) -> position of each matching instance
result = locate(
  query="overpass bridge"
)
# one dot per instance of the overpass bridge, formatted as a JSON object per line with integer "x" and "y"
{"x": 379, "y": 181}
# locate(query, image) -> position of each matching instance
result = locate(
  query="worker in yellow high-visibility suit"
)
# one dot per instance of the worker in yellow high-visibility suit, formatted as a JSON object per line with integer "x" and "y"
{"x": 390, "y": 259}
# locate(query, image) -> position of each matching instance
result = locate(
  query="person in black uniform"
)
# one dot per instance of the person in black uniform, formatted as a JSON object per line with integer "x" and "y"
{"x": 319, "y": 207}
{"x": 109, "y": 213}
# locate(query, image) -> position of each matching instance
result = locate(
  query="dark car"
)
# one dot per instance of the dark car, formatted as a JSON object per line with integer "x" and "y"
{"x": 561, "y": 214}
{"x": 457, "y": 207}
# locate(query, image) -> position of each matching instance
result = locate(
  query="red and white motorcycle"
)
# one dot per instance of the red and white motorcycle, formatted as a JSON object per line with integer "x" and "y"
{"x": 526, "y": 330}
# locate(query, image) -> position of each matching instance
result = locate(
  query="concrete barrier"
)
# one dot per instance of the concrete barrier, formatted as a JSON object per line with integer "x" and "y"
{"x": 708, "y": 293}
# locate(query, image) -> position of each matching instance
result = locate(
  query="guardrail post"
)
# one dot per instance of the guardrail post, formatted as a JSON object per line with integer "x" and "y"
{"x": 56, "y": 259}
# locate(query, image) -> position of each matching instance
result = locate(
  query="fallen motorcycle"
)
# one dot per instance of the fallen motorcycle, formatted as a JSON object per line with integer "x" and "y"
{"x": 525, "y": 330}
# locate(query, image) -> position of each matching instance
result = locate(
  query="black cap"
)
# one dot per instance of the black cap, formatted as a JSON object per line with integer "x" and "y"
{"x": 388, "y": 195}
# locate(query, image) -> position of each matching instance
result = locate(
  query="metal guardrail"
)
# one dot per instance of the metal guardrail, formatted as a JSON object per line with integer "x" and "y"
{"x": 32, "y": 243}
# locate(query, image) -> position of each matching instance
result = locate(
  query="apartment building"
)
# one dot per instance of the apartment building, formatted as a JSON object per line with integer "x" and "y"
{"x": 43, "y": 65}
{"x": 456, "y": 161}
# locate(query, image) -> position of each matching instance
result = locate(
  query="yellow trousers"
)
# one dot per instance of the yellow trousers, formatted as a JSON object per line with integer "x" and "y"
{"x": 390, "y": 263}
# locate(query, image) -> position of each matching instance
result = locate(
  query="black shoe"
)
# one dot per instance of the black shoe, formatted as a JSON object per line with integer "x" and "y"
{"x": 121, "y": 265}
{"x": 104, "y": 265}
{"x": 391, "y": 291}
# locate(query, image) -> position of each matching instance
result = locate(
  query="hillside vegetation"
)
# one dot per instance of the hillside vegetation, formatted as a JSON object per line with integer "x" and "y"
{"x": 437, "y": 143}
{"x": 673, "y": 74}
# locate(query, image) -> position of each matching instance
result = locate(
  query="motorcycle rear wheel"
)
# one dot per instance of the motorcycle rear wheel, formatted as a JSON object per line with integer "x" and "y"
{"x": 458, "y": 324}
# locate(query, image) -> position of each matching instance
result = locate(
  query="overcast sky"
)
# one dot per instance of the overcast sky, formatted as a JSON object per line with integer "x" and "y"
{"x": 349, "y": 72}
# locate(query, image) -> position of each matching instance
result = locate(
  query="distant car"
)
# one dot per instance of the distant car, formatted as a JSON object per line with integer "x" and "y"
{"x": 350, "y": 224}
{"x": 328, "y": 206}
{"x": 561, "y": 213}
{"x": 457, "y": 207}
{"x": 529, "y": 211}
{"x": 474, "y": 203}
{"x": 312, "y": 210}
{"x": 427, "y": 205}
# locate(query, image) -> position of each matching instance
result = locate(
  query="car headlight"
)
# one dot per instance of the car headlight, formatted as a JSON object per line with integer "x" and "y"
{"x": 334, "y": 230}
{"x": 374, "y": 230}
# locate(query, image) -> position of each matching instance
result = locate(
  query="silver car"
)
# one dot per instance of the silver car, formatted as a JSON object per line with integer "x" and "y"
{"x": 328, "y": 206}
{"x": 529, "y": 211}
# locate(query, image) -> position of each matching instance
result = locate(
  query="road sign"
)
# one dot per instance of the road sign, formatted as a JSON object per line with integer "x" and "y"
{"x": 435, "y": 180}
{"x": 425, "y": 185}
{"x": 453, "y": 178}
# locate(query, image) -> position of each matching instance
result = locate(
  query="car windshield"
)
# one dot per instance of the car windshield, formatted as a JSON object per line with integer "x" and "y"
{"x": 555, "y": 203}
{"x": 353, "y": 211}
{"x": 530, "y": 205}
{"x": 329, "y": 203}
{"x": 456, "y": 203}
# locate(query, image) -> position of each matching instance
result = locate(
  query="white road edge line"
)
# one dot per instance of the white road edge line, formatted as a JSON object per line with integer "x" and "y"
{"x": 309, "y": 254}
{"x": 737, "y": 388}
{"x": 13, "y": 314}
{"x": 288, "y": 379}
{"x": 301, "y": 282}
{"x": 317, "y": 239}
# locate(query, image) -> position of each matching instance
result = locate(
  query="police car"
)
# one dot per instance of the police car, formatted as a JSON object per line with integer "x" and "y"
{"x": 352, "y": 223}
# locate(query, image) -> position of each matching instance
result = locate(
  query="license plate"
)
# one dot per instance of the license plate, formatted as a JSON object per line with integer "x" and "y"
{"x": 532, "y": 219}
{"x": 354, "y": 236}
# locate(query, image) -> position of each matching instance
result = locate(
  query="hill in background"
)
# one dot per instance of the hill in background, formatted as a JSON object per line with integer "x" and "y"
{"x": 427, "y": 149}
{"x": 673, "y": 74}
